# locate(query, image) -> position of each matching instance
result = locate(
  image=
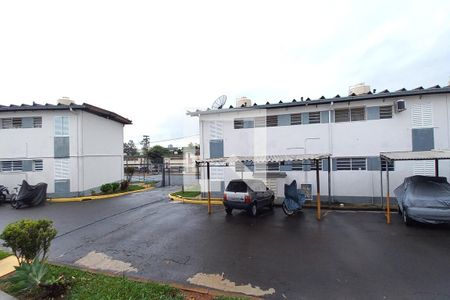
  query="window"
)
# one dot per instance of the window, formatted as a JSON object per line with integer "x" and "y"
{"x": 358, "y": 163}
{"x": 390, "y": 165}
{"x": 313, "y": 165}
{"x": 347, "y": 164}
{"x": 343, "y": 164}
{"x": 6, "y": 123}
{"x": 352, "y": 114}
{"x": 260, "y": 167}
{"x": 260, "y": 122}
{"x": 357, "y": 114}
{"x": 386, "y": 112}
{"x": 248, "y": 123}
{"x": 238, "y": 124}
{"x": 38, "y": 165}
{"x": 296, "y": 119}
{"x": 273, "y": 166}
{"x": 28, "y": 122}
{"x": 422, "y": 115}
{"x": 17, "y": 122}
{"x": 271, "y": 121}
{"x": 297, "y": 165}
{"x": 37, "y": 122}
{"x": 61, "y": 168}
{"x": 11, "y": 166}
{"x": 314, "y": 117}
{"x": 341, "y": 115}
{"x": 61, "y": 126}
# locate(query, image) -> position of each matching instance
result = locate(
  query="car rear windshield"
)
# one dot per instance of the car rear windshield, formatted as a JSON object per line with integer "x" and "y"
{"x": 237, "y": 187}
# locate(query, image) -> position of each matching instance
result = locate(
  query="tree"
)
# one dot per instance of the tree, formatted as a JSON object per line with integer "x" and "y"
{"x": 130, "y": 148}
{"x": 145, "y": 144}
{"x": 157, "y": 153}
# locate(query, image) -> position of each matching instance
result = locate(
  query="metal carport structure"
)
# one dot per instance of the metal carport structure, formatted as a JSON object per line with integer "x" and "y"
{"x": 232, "y": 160}
{"x": 435, "y": 155}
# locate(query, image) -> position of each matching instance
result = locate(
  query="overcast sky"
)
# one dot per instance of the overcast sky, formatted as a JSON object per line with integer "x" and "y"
{"x": 150, "y": 61}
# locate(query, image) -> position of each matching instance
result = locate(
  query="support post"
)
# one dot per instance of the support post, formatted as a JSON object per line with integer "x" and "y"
{"x": 318, "y": 189}
{"x": 436, "y": 167}
{"x": 168, "y": 171}
{"x": 388, "y": 198}
{"x": 163, "y": 174}
{"x": 381, "y": 183}
{"x": 209, "y": 186}
{"x": 329, "y": 182}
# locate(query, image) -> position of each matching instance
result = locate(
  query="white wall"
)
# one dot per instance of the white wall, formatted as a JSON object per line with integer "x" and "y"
{"x": 346, "y": 139}
{"x": 96, "y": 149}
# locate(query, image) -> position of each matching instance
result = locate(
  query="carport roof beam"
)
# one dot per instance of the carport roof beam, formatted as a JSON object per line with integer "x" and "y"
{"x": 416, "y": 155}
{"x": 264, "y": 158}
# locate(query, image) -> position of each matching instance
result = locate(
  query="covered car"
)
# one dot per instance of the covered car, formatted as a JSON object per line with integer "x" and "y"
{"x": 424, "y": 199}
{"x": 30, "y": 195}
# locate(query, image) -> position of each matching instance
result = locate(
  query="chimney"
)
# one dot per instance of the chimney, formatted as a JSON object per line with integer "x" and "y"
{"x": 65, "y": 101}
{"x": 243, "y": 101}
{"x": 359, "y": 89}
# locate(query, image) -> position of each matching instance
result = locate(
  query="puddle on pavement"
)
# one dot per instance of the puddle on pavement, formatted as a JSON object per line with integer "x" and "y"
{"x": 217, "y": 281}
{"x": 101, "y": 261}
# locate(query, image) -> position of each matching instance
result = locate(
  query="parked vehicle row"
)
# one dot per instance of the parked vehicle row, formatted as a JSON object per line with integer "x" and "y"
{"x": 424, "y": 199}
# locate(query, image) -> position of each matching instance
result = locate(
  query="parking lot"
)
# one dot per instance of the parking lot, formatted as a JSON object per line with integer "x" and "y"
{"x": 348, "y": 255}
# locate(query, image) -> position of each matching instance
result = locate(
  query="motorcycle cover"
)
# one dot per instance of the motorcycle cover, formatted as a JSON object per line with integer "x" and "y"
{"x": 425, "y": 198}
{"x": 294, "y": 199}
{"x": 32, "y": 195}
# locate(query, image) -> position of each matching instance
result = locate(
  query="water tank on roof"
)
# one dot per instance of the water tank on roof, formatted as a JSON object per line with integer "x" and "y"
{"x": 243, "y": 101}
{"x": 359, "y": 89}
{"x": 65, "y": 101}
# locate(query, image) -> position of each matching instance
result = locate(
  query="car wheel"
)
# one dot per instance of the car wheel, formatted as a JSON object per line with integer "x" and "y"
{"x": 2, "y": 198}
{"x": 399, "y": 211}
{"x": 229, "y": 211}
{"x": 407, "y": 220}
{"x": 254, "y": 210}
{"x": 287, "y": 211}
{"x": 271, "y": 205}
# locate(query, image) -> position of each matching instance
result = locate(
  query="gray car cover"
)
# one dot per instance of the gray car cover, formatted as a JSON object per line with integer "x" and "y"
{"x": 32, "y": 195}
{"x": 425, "y": 198}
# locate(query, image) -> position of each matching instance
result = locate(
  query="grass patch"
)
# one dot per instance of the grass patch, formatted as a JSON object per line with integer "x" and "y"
{"x": 188, "y": 194}
{"x": 4, "y": 254}
{"x": 86, "y": 285}
{"x": 135, "y": 187}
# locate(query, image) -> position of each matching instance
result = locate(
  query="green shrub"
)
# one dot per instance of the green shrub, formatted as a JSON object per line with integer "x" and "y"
{"x": 124, "y": 185}
{"x": 28, "y": 276}
{"x": 106, "y": 188}
{"x": 93, "y": 193}
{"x": 115, "y": 186}
{"x": 29, "y": 239}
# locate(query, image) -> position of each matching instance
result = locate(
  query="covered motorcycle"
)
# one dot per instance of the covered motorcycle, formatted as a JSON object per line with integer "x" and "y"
{"x": 293, "y": 198}
{"x": 30, "y": 195}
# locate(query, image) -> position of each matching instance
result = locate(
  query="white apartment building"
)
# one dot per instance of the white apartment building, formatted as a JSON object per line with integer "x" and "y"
{"x": 74, "y": 148}
{"x": 354, "y": 129}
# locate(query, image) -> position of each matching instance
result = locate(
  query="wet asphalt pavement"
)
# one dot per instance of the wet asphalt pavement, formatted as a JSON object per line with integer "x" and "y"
{"x": 348, "y": 255}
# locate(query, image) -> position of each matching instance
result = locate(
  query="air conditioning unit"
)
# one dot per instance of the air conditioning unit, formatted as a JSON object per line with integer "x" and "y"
{"x": 399, "y": 105}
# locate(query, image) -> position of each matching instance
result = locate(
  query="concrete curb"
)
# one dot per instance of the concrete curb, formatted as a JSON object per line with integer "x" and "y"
{"x": 7, "y": 265}
{"x": 214, "y": 201}
{"x": 99, "y": 197}
{"x": 5, "y": 296}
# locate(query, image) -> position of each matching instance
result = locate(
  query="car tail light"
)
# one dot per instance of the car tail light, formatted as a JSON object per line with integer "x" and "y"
{"x": 224, "y": 197}
{"x": 248, "y": 199}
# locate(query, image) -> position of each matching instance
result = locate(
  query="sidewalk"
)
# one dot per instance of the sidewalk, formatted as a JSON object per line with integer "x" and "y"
{"x": 4, "y": 296}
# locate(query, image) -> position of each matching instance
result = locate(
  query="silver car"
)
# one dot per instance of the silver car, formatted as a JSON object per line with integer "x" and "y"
{"x": 248, "y": 194}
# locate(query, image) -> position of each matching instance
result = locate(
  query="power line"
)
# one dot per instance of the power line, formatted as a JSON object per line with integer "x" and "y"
{"x": 173, "y": 139}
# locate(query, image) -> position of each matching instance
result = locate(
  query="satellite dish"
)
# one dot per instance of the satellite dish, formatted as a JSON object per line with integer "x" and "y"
{"x": 219, "y": 102}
